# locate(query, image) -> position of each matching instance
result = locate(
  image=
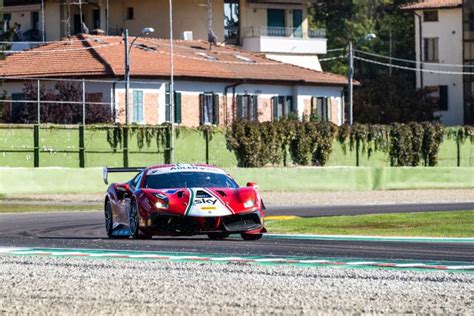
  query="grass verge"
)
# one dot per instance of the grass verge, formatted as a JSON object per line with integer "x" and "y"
{"x": 28, "y": 208}
{"x": 430, "y": 224}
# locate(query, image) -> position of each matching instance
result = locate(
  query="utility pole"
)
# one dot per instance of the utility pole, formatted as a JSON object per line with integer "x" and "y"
{"x": 390, "y": 49}
{"x": 171, "y": 82}
{"x": 42, "y": 22}
{"x": 107, "y": 17}
{"x": 351, "y": 87}
{"x": 209, "y": 15}
{"x": 127, "y": 76}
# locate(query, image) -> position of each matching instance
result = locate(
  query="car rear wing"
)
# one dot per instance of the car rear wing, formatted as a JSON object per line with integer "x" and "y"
{"x": 108, "y": 170}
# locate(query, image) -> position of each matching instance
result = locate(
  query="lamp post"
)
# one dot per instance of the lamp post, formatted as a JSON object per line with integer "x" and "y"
{"x": 128, "y": 47}
{"x": 367, "y": 38}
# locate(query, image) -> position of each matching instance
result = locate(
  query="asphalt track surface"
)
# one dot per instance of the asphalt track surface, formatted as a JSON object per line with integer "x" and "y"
{"x": 86, "y": 230}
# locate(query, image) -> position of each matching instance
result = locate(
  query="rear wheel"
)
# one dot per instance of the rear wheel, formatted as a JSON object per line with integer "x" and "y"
{"x": 217, "y": 236}
{"x": 109, "y": 222}
{"x": 251, "y": 236}
{"x": 134, "y": 223}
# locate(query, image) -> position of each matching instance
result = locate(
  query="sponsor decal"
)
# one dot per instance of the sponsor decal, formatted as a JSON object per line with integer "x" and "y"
{"x": 205, "y": 201}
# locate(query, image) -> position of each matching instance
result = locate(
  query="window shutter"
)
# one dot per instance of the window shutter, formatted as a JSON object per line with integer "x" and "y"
{"x": 177, "y": 107}
{"x": 255, "y": 108}
{"x": 167, "y": 103}
{"x": 201, "y": 109}
{"x": 443, "y": 98}
{"x": 275, "y": 108}
{"x": 215, "y": 109}
{"x": 240, "y": 108}
{"x": 140, "y": 106}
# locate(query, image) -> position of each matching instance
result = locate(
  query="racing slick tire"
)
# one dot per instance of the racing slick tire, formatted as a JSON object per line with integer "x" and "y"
{"x": 109, "y": 222}
{"x": 251, "y": 236}
{"x": 134, "y": 223}
{"x": 217, "y": 236}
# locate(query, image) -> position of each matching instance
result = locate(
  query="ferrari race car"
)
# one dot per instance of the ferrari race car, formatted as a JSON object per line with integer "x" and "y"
{"x": 182, "y": 200}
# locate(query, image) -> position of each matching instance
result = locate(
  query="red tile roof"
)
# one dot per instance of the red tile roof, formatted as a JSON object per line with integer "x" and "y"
{"x": 103, "y": 56}
{"x": 432, "y": 4}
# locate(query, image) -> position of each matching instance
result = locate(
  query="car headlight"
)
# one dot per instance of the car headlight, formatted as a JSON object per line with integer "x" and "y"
{"x": 161, "y": 204}
{"x": 249, "y": 203}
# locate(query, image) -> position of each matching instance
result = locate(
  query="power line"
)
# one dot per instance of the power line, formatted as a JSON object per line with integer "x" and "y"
{"x": 333, "y": 58}
{"x": 413, "y": 69}
{"x": 412, "y": 61}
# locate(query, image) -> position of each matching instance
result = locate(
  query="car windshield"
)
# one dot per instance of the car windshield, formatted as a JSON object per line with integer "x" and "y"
{"x": 189, "y": 180}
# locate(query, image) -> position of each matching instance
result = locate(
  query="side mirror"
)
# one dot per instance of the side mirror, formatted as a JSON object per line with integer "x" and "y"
{"x": 252, "y": 185}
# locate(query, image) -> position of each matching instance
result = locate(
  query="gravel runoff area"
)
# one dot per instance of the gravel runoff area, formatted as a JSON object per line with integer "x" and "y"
{"x": 57, "y": 286}
{"x": 303, "y": 198}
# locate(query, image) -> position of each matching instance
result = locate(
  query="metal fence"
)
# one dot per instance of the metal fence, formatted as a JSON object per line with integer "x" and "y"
{"x": 70, "y": 140}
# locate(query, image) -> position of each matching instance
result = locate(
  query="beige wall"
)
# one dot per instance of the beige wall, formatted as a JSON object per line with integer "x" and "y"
{"x": 188, "y": 15}
{"x": 150, "y": 107}
{"x": 264, "y": 109}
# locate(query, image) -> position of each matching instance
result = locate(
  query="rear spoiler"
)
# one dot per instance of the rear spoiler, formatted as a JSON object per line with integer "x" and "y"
{"x": 108, "y": 170}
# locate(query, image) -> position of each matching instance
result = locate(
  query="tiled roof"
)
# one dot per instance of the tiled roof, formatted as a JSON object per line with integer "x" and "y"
{"x": 432, "y": 4}
{"x": 103, "y": 56}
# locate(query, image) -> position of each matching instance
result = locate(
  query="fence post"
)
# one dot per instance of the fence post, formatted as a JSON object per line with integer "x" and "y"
{"x": 357, "y": 152}
{"x": 458, "y": 149}
{"x": 168, "y": 145}
{"x": 82, "y": 150}
{"x": 207, "y": 145}
{"x": 125, "y": 146}
{"x": 36, "y": 145}
{"x": 38, "y": 98}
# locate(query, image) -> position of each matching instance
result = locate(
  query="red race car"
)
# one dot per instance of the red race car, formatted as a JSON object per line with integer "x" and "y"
{"x": 182, "y": 200}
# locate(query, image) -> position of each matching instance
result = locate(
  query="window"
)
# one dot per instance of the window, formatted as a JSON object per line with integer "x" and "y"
{"x": 431, "y": 49}
{"x": 137, "y": 106}
{"x": 320, "y": 109}
{"x": 430, "y": 16}
{"x": 438, "y": 95}
{"x": 282, "y": 107}
{"x": 247, "y": 108}
{"x": 231, "y": 22}
{"x": 177, "y": 107}
{"x": 35, "y": 20}
{"x": 96, "y": 19}
{"x": 130, "y": 14}
{"x": 209, "y": 108}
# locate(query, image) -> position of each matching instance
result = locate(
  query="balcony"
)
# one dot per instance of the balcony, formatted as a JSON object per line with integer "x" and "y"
{"x": 285, "y": 40}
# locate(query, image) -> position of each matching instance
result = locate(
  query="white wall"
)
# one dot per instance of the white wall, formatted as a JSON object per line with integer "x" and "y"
{"x": 449, "y": 31}
{"x": 299, "y": 93}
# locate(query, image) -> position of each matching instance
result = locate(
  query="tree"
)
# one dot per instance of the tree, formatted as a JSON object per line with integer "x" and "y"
{"x": 61, "y": 112}
{"x": 346, "y": 21}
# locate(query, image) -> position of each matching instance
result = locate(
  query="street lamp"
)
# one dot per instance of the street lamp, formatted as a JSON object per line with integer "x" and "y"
{"x": 145, "y": 32}
{"x": 367, "y": 38}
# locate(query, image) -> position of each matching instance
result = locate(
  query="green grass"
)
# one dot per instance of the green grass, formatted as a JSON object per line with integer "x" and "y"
{"x": 28, "y": 208}
{"x": 431, "y": 224}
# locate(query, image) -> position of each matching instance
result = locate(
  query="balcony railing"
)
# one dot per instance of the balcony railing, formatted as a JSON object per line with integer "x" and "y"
{"x": 296, "y": 32}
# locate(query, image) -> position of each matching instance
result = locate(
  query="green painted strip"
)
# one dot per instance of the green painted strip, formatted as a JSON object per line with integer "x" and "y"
{"x": 191, "y": 202}
{"x": 261, "y": 260}
{"x": 371, "y": 238}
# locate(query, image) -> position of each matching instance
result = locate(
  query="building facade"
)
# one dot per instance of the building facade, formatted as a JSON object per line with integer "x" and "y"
{"x": 442, "y": 58}
{"x": 277, "y": 28}
{"x": 214, "y": 87}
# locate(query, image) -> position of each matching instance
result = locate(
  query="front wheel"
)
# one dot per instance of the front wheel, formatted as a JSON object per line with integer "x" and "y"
{"x": 134, "y": 223}
{"x": 251, "y": 236}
